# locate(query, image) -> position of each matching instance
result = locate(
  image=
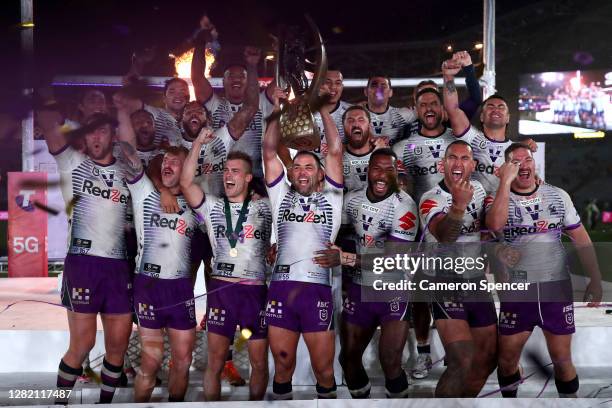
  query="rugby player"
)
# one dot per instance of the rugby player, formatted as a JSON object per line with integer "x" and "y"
{"x": 388, "y": 122}
{"x": 163, "y": 290}
{"x": 451, "y": 213}
{"x": 530, "y": 219}
{"x": 239, "y": 229}
{"x": 305, "y": 221}
{"x": 488, "y": 144}
{"x": 378, "y": 214}
{"x": 96, "y": 276}
{"x": 420, "y": 155}
{"x": 359, "y": 147}
{"x": 235, "y": 86}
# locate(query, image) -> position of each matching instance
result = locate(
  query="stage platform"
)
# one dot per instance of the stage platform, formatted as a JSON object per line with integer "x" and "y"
{"x": 34, "y": 336}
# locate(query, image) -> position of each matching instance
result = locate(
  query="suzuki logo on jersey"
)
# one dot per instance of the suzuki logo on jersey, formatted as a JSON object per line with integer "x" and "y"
{"x": 110, "y": 194}
{"x": 495, "y": 153}
{"x": 427, "y": 206}
{"x": 366, "y": 221}
{"x": 407, "y": 221}
{"x": 309, "y": 216}
{"x": 176, "y": 224}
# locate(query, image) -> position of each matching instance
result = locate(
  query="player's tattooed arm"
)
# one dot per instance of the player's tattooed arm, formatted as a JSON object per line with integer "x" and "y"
{"x": 458, "y": 119}
{"x": 239, "y": 122}
{"x": 447, "y": 227}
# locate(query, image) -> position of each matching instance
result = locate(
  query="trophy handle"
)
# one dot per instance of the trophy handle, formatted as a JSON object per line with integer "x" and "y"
{"x": 321, "y": 69}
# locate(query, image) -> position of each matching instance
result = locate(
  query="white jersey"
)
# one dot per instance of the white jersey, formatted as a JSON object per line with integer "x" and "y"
{"x": 253, "y": 241}
{"x": 336, "y": 115}
{"x": 222, "y": 111}
{"x": 420, "y": 156}
{"x": 100, "y": 201}
{"x": 168, "y": 129}
{"x": 437, "y": 201}
{"x": 392, "y": 122}
{"x": 145, "y": 155}
{"x": 209, "y": 170}
{"x": 164, "y": 240}
{"x": 535, "y": 223}
{"x": 303, "y": 225}
{"x": 355, "y": 169}
{"x": 488, "y": 154}
{"x": 376, "y": 222}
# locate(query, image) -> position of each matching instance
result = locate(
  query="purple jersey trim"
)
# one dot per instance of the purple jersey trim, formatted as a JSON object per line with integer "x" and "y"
{"x": 572, "y": 227}
{"x": 136, "y": 179}
{"x": 464, "y": 132}
{"x": 396, "y": 239}
{"x": 333, "y": 183}
{"x": 276, "y": 181}
{"x": 201, "y": 203}
{"x": 62, "y": 150}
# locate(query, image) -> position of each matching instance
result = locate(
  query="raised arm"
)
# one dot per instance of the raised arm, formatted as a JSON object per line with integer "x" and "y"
{"x": 333, "y": 160}
{"x": 458, "y": 119}
{"x": 49, "y": 122}
{"x": 201, "y": 86}
{"x": 193, "y": 192}
{"x": 469, "y": 105}
{"x": 239, "y": 122}
{"x": 272, "y": 164}
{"x": 497, "y": 216}
{"x": 447, "y": 227}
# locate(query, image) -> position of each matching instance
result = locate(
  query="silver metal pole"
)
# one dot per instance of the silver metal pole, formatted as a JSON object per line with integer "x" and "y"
{"x": 488, "y": 41}
{"x": 27, "y": 47}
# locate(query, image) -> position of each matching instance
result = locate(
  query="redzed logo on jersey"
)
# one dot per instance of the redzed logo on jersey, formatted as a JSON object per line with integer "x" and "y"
{"x": 427, "y": 206}
{"x": 407, "y": 221}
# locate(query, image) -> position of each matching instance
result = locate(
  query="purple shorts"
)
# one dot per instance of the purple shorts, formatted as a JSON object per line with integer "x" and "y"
{"x": 370, "y": 313}
{"x": 161, "y": 303}
{"x": 201, "y": 251}
{"x": 554, "y": 314}
{"x": 300, "y": 306}
{"x": 236, "y": 304}
{"x": 476, "y": 314}
{"x": 92, "y": 284}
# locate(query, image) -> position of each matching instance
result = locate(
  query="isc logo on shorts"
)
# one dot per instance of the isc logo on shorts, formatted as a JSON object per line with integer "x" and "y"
{"x": 274, "y": 308}
{"x": 145, "y": 311}
{"x": 80, "y": 294}
{"x": 216, "y": 315}
{"x": 507, "y": 319}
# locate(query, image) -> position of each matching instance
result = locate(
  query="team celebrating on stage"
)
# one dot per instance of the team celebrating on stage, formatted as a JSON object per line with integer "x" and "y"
{"x": 286, "y": 237}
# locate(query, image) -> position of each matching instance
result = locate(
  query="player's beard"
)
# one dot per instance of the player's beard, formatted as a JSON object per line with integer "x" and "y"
{"x": 190, "y": 134}
{"x": 434, "y": 126}
{"x": 358, "y": 144}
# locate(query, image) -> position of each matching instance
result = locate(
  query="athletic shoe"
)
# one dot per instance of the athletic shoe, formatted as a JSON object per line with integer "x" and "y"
{"x": 231, "y": 374}
{"x": 422, "y": 366}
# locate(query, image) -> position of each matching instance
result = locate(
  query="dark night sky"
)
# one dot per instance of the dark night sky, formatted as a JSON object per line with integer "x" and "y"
{"x": 98, "y": 37}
